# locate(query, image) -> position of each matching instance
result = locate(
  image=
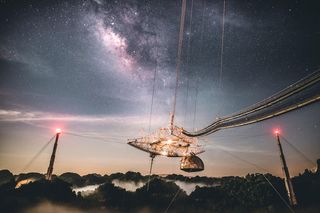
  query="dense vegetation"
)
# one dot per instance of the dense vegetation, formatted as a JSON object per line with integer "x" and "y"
{"x": 251, "y": 193}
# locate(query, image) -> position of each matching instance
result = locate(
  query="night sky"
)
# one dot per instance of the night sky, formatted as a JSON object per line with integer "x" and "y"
{"x": 88, "y": 67}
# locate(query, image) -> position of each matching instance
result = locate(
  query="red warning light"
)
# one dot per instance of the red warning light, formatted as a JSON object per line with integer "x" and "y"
{"x": 277, "y": 131}
{"x": 58, "y": 130}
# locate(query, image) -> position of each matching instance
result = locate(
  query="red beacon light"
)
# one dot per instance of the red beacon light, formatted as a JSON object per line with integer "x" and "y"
{"x": 58, "y": 130}
{"x": 276, "y": 131}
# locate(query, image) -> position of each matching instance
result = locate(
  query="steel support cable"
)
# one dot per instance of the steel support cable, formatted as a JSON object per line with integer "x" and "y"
{"x": 197, "y": 81}
{"x": 278, "y": 193}
{"x": 94, "y": 138}
{"x": 178, "y": 59}
{"x": 154, "y": 85}
{"x": 38, "y": 153}
{"x": 222, "y": 44}
{"x": 92, "y": 134}
{"x": 149, "y": 180}
{"x": 150, "y": 171}
{"x": 195, "y": 109}
{"x": 298, "y": 151}
{"x": 288, "y": 109}
{"x": 218, "y": 125}
{"x": 285, "y": 93}
{"x": 152, "y": 101}
{"x": 261, "y": 168}
{"x": 154, "y": 76}
{"x": 186, "y": 103}
{"x": 188, "y": 59}
{"x": 221, "y": 55}
{"x": 174, "y": 197}
{"x": 297, "y": 88}
{"x": 289, "y": 91}
{"x": 242, "y": 137}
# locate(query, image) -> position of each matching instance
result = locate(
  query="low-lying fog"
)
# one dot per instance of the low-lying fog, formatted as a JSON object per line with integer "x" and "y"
{"x": 86, "y": 190}
{"x": 133, "y": 186}
{"x": 128, "y": 185}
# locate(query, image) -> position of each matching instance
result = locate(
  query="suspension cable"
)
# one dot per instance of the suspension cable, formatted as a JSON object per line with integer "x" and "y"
{"x": 298, "y": 151}
{"x": 150, "y": 170}
{"x": 278, "y": 193}
{"x": 221, "y": 58}
{"x": 197, "y": 80}
{"x": 188, "y": 60}
{"x": 276, "y": 98}
{"x": 283, "y": 94}
{"x": 37, "y": 154}
{"x": 274, "y": 114}
{"x": 222, "y": 45}
{"x": 154, "y": 79}
{"x": 94, "y": 138}
{"x": 298, "y": 105}
{"x": 195, "y": 108}
{"x": 109, "y": 137}
{"x": 154, "y": 85}
{"x": 174, "y": 197}
{"x": 178, "y": 59}
{"x": 218, "y": 125}
{"x": 200, "y": 52}
{"x": 239, "y": 119}
{"x": 261, "y": 168}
